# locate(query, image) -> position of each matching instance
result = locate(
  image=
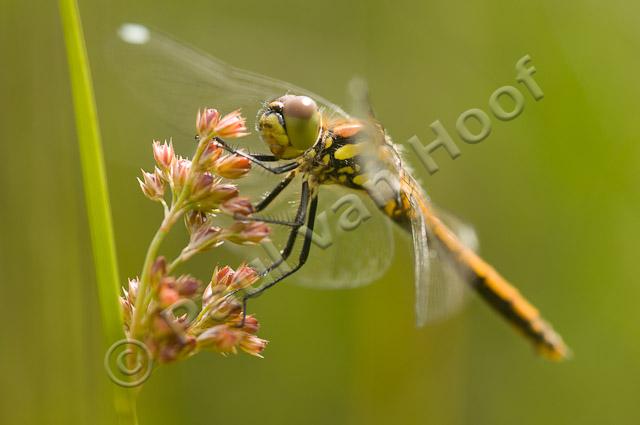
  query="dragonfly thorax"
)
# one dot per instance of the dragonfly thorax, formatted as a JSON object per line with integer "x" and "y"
{"x": 290, "y": 125}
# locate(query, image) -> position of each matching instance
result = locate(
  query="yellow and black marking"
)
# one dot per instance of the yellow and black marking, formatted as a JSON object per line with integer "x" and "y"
{"x": 492, "y": 287}
{"x": 336, "y": 157}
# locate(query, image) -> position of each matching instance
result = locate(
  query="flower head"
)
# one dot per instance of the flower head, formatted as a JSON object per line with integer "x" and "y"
{"x": 232, "y": 125}
{"x": 221, "y": 338}
{"x": 210, "y": 156}
{"x": 253, "y": 345}
{"x": 152, "y": 185}
{"x": 232, "y": 166}
{"x": 247, "y": 233}
{"x": 206, "y": 121}
{"x": 194, "y": 220}
{"x": 209, "y": 124}
{"x": 163, "y": 154}
{"x": 239, "y": 205}
{"x": 179, "y": 172}
{"x": 204, "y": 238}
{"x": 209, "y": 192}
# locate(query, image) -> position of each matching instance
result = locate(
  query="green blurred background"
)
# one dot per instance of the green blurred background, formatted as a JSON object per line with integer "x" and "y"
{"x": 553, "y": 195}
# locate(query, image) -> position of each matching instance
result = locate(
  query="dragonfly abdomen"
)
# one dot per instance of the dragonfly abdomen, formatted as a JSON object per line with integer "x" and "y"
{"x": 492, "y": 287}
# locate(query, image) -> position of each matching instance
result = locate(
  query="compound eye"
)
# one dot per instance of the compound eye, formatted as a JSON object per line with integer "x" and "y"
{"x": 299, "y": 107}
{"x": 303, "y": 120}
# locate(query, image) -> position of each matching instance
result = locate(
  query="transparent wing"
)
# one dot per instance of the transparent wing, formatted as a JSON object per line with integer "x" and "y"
{"x": 353, "y": 244}
{"x": 174, "y": 80}
{"x": 423, "y": 280}
{"x": 440, "y": 286}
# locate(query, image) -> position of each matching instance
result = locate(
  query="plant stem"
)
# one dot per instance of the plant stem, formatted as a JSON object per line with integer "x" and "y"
{"x": 96, "y": 192}
{"x": 142, "y": 301}
{"x": 175, "y": 263}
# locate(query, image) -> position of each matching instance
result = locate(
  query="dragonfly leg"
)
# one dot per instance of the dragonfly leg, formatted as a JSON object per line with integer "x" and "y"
{"x": 274, "y": 192}
{"x": 259, "y": 160}
{"x": 302, "y": 259}
{"x": 298, "y": 222}
{"x": 295, "y": 225}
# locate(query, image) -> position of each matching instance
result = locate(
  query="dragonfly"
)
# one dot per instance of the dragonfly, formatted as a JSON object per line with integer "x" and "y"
{"x": 330, "y": 154}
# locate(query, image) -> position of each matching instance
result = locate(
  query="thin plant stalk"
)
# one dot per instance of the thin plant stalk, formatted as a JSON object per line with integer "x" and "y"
{"x": 96, "y": 192}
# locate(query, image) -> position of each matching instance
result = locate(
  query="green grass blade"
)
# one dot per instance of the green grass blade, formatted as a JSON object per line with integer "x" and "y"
{"x": 95, "y": 188}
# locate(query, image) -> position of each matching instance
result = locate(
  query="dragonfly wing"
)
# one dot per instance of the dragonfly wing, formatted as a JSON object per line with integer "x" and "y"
{"x": 353, "y": 244}
{"x": 422, "y": 265}
{"x": 174, "y": 79}
{"x": 440, "y": 286}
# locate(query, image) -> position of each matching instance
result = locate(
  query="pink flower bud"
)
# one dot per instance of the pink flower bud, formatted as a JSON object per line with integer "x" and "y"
{"x": 209, "y": 156}
{"x": 244, "y": 277}
{"x": 222, "y": 192}
{"x": 168, "y": 296}
{"x": 163, "y": 154}
{"x": 220, "y": 338}
{"x": 202, "y": 186}
{"x": 231, "y": 125}
{"x": 223, "y": 276}
{"x": 207, "y": 294}
{"x": 253, "y": 345}
{"x": 194, "y": 220}
{"x": 239, "y": 205}
{"x": 206, "y": 122}
{"x": 251, "y": 325}
{"x": 159, "y": 269}
{"x": 209, "y": 192}
{"x": 247, "y": 233}
{"x": 152, "y": 185}
{"x": 179, "y": 173}
{"x": 226, "y": 309}
{"x": 187, "y": 285}
{"x": 232, "y": 166}
{"x": 204, "y": 238}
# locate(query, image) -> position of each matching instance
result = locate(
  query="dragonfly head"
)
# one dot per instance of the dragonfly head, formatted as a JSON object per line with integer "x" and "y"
{"x": 290, "y": 125}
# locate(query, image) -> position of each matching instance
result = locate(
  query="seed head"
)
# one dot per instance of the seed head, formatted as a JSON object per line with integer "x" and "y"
{"x": 231, "y": 126}
{"x": 206, "y": 122}
{"x": 247, "y": 233}
{"x": 232, "y": 166}
{"x": 210, "y": 155}
{"x": 179, "y": 173}
{"x": 152, "y": 185}
{"x": 209, "y": 124}
{"x": 163, "y": 154}
{"x": 221, "y": 338}
{"x": 253, "y": 345}
{"x": 204, "y": 238}
{"x": 187, "y": 285}
{"x": 239, "y": 205}
{"x": 194, "y": 220}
